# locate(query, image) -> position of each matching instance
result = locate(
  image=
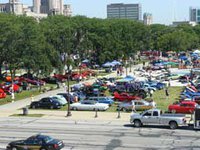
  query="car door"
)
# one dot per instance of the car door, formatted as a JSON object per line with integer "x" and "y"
{"x": 46, "y": 103}
{"x": 154, "y": 119}
{"x": 32, "y": 144}
{"x": 146, "y": 117}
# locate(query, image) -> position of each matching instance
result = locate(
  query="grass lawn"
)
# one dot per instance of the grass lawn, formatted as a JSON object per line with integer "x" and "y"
{"x": 160, "y": 98}
{"x": 27, "y": 94}
{"x": 29, "y": 115}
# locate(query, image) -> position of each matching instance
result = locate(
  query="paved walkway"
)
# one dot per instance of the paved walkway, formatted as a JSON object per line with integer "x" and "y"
{"x": 15, "y": 107}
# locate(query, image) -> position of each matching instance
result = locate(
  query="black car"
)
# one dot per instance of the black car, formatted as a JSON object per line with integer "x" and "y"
{"x": 37, "y": 142}
{"x": 46, "y": 102}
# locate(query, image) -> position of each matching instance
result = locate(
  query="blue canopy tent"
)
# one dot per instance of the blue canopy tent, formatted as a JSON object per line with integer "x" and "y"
{"x": 108, "y": 64}
{"x": 115, "y": 62}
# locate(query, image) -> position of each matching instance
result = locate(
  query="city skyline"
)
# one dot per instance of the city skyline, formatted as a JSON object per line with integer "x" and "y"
{"x": 164, "y": 12}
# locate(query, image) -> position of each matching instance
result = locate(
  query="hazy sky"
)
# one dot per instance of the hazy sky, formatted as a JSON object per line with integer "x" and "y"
{"x": 164, "y": 11}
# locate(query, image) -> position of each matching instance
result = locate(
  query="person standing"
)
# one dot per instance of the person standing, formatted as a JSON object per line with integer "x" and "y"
{"x": 133, "y": 107}
{"x": 167, "y": 93}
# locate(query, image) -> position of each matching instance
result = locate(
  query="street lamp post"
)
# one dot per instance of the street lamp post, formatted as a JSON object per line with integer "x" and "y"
{"x": 68, "y": 97}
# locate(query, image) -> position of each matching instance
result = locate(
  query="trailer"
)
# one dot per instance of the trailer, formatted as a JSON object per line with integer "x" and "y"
{"x": 197, "y": 117}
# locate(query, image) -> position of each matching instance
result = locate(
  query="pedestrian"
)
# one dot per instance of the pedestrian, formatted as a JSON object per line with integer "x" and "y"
{"x": 153, "y": 104}
{"x": 143, "y": 63}
{"x": 133, "y": 107}
{"x": 169, "y": 83}
{"x": 166, "y": 93}
{"x": 150, "y": 93}
{"x": 32, "y": 98}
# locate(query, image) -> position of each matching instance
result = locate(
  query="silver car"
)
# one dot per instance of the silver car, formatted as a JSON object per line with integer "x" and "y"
{"x": 139, "y": 105}
{"x": 89, "y": 105}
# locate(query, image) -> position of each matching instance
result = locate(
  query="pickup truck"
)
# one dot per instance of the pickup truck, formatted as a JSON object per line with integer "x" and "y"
{"x": 155, "y": 117}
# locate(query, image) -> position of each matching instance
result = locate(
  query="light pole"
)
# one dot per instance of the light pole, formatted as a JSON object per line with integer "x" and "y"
{"x": 68, "y": 97}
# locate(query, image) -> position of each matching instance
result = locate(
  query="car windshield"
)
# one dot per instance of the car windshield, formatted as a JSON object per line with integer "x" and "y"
{"x": 47, "y": 139}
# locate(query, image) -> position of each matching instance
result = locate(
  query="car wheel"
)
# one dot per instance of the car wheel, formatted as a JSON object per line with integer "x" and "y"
{"x": 33, "y": 107}
{"x": 75, "y": 108}
{"x": 173, "y": 111}
{"x": 124, "y": 109}
{"x": 173, "y": 125}
{"x": 14, "y": 148}
{"x": 137, "y": 123}
{"x": 51, "y": 107}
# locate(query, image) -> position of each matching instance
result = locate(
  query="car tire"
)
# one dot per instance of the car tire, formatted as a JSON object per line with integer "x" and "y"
{"x": 173, "y": 111}
{"x": 75, "y": 109}
{"x": 124, "y": 109}
{"x": 137, "y": 123}
{"x": 13, "y": 148}
{"x": 173, "y": 125}
{"x": 51, "y": 107}
{"x": 33, "y": 107}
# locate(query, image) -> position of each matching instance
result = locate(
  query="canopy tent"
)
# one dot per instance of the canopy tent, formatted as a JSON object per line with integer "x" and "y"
{"x": 108, "y": 64}
{"x": 85, "y": 61}
{"x": 197, "y": 51}
{"x": 115, "y": 62}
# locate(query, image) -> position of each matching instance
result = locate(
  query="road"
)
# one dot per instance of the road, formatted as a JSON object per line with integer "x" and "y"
{"x": 99, "y": 135}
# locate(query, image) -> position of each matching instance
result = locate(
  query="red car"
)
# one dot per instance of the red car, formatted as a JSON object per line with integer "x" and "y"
{"x": 8, "y": 88}
{"x": 125, "y": 97}
{"x": 2, "y": 94}
{"x": 184, "y": 107}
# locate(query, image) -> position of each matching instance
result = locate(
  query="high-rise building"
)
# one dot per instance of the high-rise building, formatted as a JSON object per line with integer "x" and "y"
{"x": 124, "y": 11}
{"x": 48, "y": 6}
{"x": 147, "y": 19}
{"x": 195, "y": 14}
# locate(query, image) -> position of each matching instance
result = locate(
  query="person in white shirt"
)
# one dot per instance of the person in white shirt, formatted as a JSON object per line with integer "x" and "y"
{"x": 133, "y": 107}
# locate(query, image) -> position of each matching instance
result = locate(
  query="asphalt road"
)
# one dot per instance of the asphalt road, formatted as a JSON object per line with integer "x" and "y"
{"x": 99, "y": 135}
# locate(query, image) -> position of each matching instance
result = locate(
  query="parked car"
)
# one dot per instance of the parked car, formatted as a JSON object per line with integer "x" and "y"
{"x": 60, "y": 98}
{"x": 46, "y": 102}
{"x": 155, "y": 117}
{"x": 2, "y": 94}
{"x": 185, "y": 107}
{"x": 125, "y": 97}
{"x": 139, "y": 105}
{"x": 8, "y": 88}
{"x": 66, "y": 95}
{"x": 39, "y": 142}
{"x": 105, "y": 100}
{"x": 89, "y": 105}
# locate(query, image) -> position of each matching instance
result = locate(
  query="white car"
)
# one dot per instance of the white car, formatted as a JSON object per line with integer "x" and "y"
{"x": 89, "y": 105}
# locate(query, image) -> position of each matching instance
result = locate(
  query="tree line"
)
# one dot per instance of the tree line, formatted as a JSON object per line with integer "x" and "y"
{"x": 51, "y": 43}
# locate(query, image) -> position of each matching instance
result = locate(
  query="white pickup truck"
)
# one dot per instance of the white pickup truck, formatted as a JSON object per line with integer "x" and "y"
{"x": 154, "y": 117}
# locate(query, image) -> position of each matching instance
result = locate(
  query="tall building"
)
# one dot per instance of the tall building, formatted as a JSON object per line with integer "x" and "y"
{"x": 124, "y": 11}
{"x": 195, "y": 14}
{"x": 48, "y": 6}
{"x": 148, "y": 19}
{"x": 16, "y": 7}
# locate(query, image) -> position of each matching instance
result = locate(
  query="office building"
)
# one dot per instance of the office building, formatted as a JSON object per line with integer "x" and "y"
{"x": 124, "y": 11}
{"x": 147, "y": 19}
{"x": 48, "y": 6}
{"x": 195, "y": 14}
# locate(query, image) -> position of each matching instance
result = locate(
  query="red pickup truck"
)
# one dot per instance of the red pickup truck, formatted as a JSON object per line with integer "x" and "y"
{"x": 184, "y": 107}
{"x": 125, "y": 97}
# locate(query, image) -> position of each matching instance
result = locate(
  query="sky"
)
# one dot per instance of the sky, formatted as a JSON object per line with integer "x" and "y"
{"x": 163, "y": 11}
